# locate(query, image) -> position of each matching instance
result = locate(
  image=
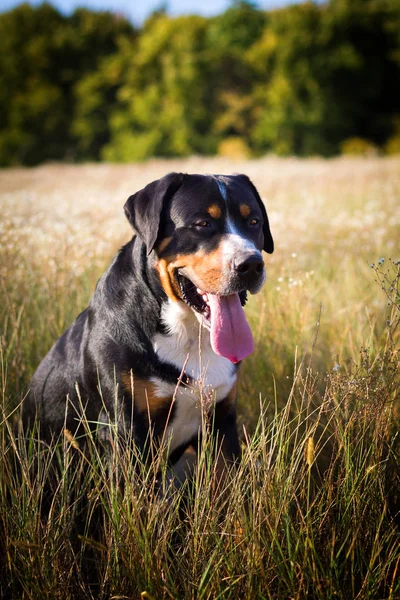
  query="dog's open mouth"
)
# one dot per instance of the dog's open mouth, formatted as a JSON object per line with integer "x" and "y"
{"x": 194, "y": 297}
{"x": 224, "y": 316}
{"x": 198, "y": 299}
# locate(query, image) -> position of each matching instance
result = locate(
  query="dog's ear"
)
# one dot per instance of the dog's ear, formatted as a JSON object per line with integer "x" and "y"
{"x": 143, "y": 209}
{"x": 268, "y": 241}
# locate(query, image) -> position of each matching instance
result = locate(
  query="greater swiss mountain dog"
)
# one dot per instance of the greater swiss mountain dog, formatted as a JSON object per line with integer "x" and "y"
{"x": 165, "y": 326}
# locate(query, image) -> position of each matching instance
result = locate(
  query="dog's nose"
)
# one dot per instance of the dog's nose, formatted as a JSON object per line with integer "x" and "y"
{"x": 253, "y": 265}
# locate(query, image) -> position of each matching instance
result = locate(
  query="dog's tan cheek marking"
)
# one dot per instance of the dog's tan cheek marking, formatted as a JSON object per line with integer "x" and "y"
{"x": 206, "y": 269}
{"x": 214, "y": 211}
{"x": 162, "y": 245}
{"x": 245, "y": 210}
{"x": 144, "y": 395}
{"x": 165, "y": 270}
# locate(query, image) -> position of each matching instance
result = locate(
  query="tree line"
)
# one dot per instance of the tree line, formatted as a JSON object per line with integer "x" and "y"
{"x": 297, "y": 80}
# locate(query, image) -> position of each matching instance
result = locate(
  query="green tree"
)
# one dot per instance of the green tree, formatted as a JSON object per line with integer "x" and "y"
{"x": 298, "y": 80}
{"x": 230, "y": 75}
{"x": 290, "y": 95}
{"x": 32, "y": 107}
{"x": 162, "y": 101}
{"x": 188, "y": 85}
{"x": 366, "y": 94}
{"x": 43, "y": 56}
{"x": 325, "y": 73}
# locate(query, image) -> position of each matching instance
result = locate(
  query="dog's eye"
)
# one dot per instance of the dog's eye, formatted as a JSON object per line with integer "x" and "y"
{"x": 254, "y": 222}
{"x": 202, "y": 224}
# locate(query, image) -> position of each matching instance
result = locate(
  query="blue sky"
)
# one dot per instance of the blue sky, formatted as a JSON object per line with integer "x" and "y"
{"x": 139, "y": 10}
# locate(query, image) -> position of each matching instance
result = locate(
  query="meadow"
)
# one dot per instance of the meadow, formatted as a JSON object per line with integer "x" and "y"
{"x": 314, "y": 509}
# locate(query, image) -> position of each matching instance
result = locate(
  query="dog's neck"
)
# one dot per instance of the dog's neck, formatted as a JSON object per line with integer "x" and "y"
{"x": 180, "y": 324}
{"x": 186, "y": 345}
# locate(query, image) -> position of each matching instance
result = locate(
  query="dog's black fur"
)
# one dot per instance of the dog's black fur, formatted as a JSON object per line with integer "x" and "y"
{"x": 185, "y": 225}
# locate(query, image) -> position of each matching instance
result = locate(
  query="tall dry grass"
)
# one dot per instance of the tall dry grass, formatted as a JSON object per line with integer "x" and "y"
{"x": 312, "y": 511}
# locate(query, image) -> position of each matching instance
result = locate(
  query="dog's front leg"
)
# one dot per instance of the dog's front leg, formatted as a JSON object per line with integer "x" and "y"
{"x": 183, "y": 468}
{"x": 225, "y": 432}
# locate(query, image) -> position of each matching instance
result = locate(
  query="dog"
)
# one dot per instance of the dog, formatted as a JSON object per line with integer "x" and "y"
{"x": 165, "y": 326}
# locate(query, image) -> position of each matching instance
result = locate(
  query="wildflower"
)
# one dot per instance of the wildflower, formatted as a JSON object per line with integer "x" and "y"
{"x": 336, "y": 367}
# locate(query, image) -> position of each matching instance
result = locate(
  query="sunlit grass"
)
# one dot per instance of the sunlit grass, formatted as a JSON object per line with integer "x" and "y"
{"x": 77, "y": 522}
{"x": 291, "y": 522}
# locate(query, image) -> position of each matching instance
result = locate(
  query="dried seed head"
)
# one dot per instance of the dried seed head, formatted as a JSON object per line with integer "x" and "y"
{"x": 310, "y": 451}
{"x": 70, "y": 438}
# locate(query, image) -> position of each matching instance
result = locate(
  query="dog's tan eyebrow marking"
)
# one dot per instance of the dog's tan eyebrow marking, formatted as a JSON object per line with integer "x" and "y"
{"x": 245, "y": 210}
{"x": 214, "y": 211}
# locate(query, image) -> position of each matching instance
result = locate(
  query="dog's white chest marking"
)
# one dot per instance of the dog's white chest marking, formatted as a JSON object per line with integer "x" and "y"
{"x": 207, "y": 377}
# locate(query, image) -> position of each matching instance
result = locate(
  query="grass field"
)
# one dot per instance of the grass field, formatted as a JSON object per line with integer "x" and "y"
{"x": 313, "y": 511}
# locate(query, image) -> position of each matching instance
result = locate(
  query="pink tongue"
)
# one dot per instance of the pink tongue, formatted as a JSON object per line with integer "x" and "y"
{"x": 230, "y": 332}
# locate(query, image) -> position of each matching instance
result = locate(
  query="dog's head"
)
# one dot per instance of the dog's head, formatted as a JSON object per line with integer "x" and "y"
{"x": 207, "y": 233}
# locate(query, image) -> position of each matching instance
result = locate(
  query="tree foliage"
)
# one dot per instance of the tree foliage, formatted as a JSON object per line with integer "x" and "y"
{"x": 44, "y": 58}
{"x": 298, "y": 80}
